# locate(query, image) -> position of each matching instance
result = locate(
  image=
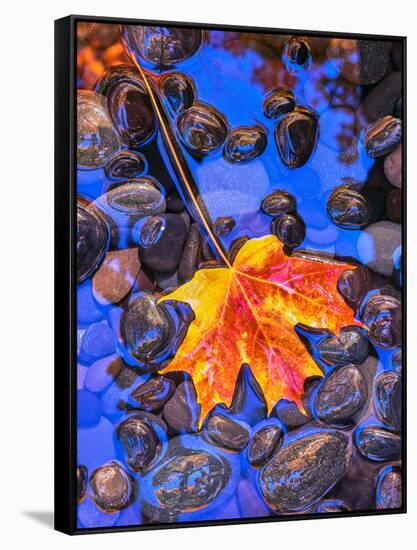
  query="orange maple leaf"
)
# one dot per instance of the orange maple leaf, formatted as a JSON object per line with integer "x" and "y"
{"x": 247, "y": 313}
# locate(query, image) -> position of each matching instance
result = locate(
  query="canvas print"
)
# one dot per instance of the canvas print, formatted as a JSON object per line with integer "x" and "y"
{"x": 239, "y": 275}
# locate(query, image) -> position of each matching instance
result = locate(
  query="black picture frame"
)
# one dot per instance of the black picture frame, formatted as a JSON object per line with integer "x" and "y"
{"x": 65, "y": 275}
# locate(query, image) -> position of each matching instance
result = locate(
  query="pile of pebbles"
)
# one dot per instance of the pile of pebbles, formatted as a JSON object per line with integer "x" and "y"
{"x": 144, "y": 453}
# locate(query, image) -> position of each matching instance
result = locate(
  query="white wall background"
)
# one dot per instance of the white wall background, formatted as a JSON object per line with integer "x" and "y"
{"x": 26, "y": 272}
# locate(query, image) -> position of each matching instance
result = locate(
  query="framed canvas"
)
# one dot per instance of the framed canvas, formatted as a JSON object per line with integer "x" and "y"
{"x": 230, "y": 274}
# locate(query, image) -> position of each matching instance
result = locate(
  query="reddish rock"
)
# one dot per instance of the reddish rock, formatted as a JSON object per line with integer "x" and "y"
{"x": 116, "y": 276}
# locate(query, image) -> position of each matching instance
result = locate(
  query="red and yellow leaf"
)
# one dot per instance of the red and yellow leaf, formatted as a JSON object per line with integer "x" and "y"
{"x": 247, "y": 314}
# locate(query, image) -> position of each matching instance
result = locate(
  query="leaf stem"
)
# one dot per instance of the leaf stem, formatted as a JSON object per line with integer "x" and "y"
{"x": 181, "y": 170}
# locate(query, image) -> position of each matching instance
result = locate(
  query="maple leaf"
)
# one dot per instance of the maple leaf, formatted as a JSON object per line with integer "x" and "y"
{"x": 247, "y": 314}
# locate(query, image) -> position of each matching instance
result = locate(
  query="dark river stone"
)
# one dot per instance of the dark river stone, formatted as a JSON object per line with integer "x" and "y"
{"x": 279, "y": 202}
{"x": 350, "y": 347}
{"x": 245, "y": 143}
{"x": 202, "y": 129}
{"x": 189, "y": 481}
{"x": 129, "y": 105}
{"x": 383, "y": 136}
{"x": 341, "y": 395}
{"x": 388, "y": 398}
{"x": 225, "y": 433}
{"x": 125, "y": 165}
{"x": 389, "y": 488}
{"x": 303, "y": 471}
{"x": 112, "y": 488}
{"x": 153, "y": 394}
{"x": 263, "y": 443}
{"x": 139, "y": 440}
{"x": 290, "y": 229}
{"x": 377, "y": 443}
{"x": 278, "y": 102}
{"x": 92, "y": 240}
{"x": 295, "y": 136}
{"x": 348, "y": 208}
{"x": 179, "y": 91}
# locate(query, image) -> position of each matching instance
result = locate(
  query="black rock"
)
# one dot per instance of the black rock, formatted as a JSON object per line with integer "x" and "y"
{"x": 223, "y": 225}
{"x": 145, "y": 328}
{"x": 138, "y": 436}
{"x": 278, "y": 102}
{"x": 164, "y": 256}
{"x": 383, "y": 136}
{"x": 129, "y": 105}
{"x": 350, "y": 347}
{"x": 382, "y": 314}
{"x": 290, "y": 229}
{"x": 279, "y": 202}
{"x": 244, "y": 143}
{"x": 263, "y": 443}
{"x": 353, "y": 285}
{"x": 297, "y": 54}
{"x": 341, "y": 396}
{"x": 348, "y": 208}
{"x": 112, "y": 488}
{"x": 187, "y": 265}
{"x": 304, "y": 470}
{"x": 377, "y": 443}
{"x": 162, "y": 47}
{"x": 188, "y": 481}
{"x": 153, "y": 394}
{"x": 290, "y": 415}
{"x": 181, "y": 412}
{"x": 125, "y": 165}
{"x": 389, "y": 488}
{"x": 295, "y": 136}
{"x": 388, "y": 399}
{"x": 92, "y": 240}
{"x": 223, "y": 432}
{"x": 380, "y": 101}
{"x": 148, "y": 231}
{"x": 202, "y": 129}
{"x": 397, "y": 55}
{"x": 82, "y": 477}
{"x": 179, "y": 91}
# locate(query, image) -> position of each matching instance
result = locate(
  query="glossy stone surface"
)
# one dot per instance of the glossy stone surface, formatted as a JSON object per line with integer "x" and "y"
{"x": 145, "y": 328}
{"x": 350, "y": 347}
{"x": 382, "y": 136}
{"x": 353, "y": 284}
{"x": 135, "y": 198}
{"x": 162, "y": 47}
{"x": 92, "y": 240}
{"x": 382, "y": 315}
{"x": 244, "y": 143}
{"x": 153, "y": 394}
{"x": 279, "y": 202}
{"x": 295, "y": 136}
{"x": 112, "y": 488}
{"x": 341, "y": 396}
{"x": 125, "y": 165}
{"x": 290, "y": 229}
{"x": 202, "y": 129}
{"x": 263, "y": 443}
{"x": 389, "y": 488}
{"x": 377, "y": 443}
{"x": 278, "y": 102}
{"x": 164, "y": 255}
{"x": 182, "y": 412}
{"x": 97, "y": 140}
{"x": 348, "y": 208}
{"x": 226, "y": 433}
{"x": 140, "y": 440}
{"x": 388, "y": 398}
{"x": 303, "y": 471}
{"x": 178, "y": 90}
{"x": 129, "y": 105}
{"x": 393, "y": 167}
{"x": 223, "y": 225}
{"x": 332, "y": 506}
{"x": 297, "y": 54}
{"x": 190, "y": 480}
